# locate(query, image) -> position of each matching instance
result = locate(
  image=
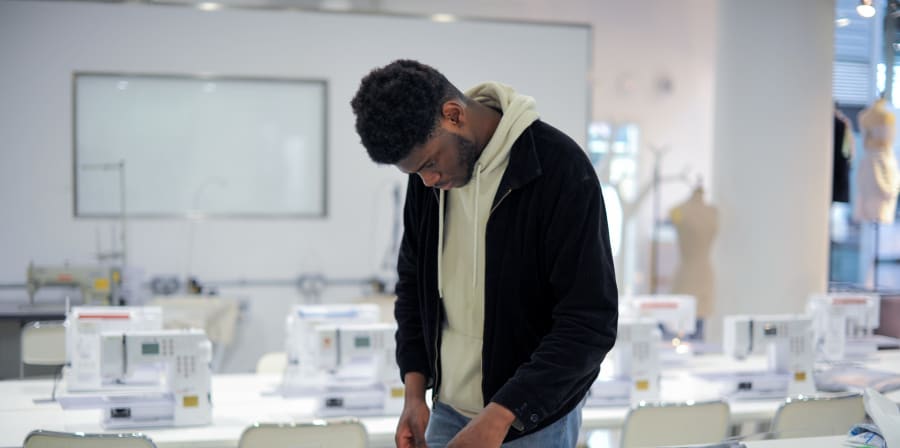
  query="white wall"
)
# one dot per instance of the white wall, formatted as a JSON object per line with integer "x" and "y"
{"x": 635, "y": 45}
{"x": 42, "y": 43}
{"x": 772, "y": 164}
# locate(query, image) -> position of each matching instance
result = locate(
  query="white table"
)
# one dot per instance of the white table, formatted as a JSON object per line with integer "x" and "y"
{"x": 240, "y": 400}
{"x": 804, "y": 442}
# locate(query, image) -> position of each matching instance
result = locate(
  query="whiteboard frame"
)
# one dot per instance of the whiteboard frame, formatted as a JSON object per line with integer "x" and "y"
{"x": 188, "y": 215}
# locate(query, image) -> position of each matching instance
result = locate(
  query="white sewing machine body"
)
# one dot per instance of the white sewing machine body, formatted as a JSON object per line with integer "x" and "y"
{"x": 675, "y": 314}
{"x": 156, "y": 378}
{"x": 786, "y": 341}
{"x": 342, "y": 356}
{"x": 635, "y": 371}
{"x": 844, "y": 324}
{"x": 84, "y": 325}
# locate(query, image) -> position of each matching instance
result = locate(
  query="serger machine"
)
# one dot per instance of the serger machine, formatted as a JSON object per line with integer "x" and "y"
{"x": 634, "y": 371}
{"x": 342, "y": 356}
{"x": 154, "y": 378}
{"x": 843, "y": 324}
{"x": 786, "y": 340}
{"x": 84, "y": 326}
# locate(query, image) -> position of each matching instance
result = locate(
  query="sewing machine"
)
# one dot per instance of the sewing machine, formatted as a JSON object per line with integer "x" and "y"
{"x": 83, "y": 328}
{"x": 843, "y": 324}
{"x": 675, "y": 314}
{"x": 304, "y": 318}
{"x": 154, "y": 378}
{"x": 98, "y": 285}
{"x": 787, "y": 341}
{"x": 634, "y": 368}
{"x": 343, "y": 357}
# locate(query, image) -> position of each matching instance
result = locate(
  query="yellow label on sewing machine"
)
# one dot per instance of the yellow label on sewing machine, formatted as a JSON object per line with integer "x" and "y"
{"x": 642, "y": 384}
{"x": 101, "y": 284}
{"x": 799, "y": 376}
{"x": 396, "y": 392}
{"x": 190, "y": 401}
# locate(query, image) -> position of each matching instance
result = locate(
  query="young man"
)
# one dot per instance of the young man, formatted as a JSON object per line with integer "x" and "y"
{"x": 506, "y": 299}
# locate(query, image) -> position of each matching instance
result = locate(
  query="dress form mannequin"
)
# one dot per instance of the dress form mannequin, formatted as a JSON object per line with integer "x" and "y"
{"x": 696, "y": 223}
{"x": 877, "y": 178}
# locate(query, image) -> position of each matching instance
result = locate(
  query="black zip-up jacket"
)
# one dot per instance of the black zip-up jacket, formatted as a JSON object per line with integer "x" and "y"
{"x": 551, "y": 304}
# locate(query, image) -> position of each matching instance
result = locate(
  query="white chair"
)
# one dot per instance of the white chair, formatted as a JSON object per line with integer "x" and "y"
{"x": 43, "y": 343}
{"x": 668, "y": 424}
{"x": 273, "y": 362}
{"x": 217, "y": 316}
{"x": 53, "y": 439}
{"x": 320, "y": 433}
{"x": 818, "y": 416}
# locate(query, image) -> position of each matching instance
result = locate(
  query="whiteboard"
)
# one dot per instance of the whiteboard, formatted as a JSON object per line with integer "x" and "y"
{"x": 199, "y": 146}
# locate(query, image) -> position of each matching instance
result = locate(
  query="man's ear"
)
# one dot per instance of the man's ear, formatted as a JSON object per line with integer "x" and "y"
{"x": 454, "y": 112}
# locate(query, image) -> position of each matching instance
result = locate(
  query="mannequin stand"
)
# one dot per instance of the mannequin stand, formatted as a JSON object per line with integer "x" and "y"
{"x": 875, "y": 260}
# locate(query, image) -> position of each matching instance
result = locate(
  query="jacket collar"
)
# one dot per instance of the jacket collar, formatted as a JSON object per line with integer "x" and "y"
{"x": 524, "y": 165}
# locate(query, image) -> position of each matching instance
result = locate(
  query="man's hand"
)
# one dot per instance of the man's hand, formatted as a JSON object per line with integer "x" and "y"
{"x": 487, "y": 429}
{"x": 414, "y": 418}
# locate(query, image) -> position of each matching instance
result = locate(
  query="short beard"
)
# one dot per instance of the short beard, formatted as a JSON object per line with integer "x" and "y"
{"x": 468, "y": 155}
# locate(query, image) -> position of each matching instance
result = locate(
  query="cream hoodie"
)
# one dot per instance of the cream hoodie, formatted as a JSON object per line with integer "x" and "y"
{"x": 461, "y": 262}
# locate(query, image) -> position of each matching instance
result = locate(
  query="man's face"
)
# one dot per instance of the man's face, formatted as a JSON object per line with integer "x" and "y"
{"x": 445, "y": 161}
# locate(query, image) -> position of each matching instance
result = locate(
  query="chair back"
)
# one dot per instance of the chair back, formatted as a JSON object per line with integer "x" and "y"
{"x": 818, "y": 416}
{"x": 43, "y": 343}
{"x": 53, "y": 439}
{"x": 273, "y": 362}
{"x": 668, "y": 424}
{"x": 217, "y": 316}
{"x": 317, "y": 434}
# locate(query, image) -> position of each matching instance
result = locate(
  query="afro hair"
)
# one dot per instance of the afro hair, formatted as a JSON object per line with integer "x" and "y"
{"x": 397, "y": 108}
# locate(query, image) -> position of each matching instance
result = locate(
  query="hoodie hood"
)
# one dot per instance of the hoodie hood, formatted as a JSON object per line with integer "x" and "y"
{"x": 518, "y": 113}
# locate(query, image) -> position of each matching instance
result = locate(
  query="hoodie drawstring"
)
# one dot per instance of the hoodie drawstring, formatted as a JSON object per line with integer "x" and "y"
{"x": 475, "y": 226}
{"x": 440, "y": 244}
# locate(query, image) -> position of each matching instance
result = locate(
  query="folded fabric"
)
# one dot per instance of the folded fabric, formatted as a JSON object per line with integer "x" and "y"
{"x": 885, "y": 414}
{"x": 865, "y": 435}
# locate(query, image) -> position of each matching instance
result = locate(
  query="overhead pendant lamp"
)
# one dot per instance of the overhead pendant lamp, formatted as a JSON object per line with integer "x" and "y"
{"x": 865, "y": 9}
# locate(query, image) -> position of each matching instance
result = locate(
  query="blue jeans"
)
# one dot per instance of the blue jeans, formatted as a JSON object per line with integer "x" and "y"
{"x": 445, "y": 422}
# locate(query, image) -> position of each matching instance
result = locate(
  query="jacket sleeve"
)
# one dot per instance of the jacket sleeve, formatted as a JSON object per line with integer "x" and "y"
{"x": 585, "y": 314}
{"x": 411, "y": 351}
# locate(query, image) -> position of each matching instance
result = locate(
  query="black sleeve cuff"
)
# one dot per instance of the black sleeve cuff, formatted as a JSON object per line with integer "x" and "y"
{"x": 529, "y": 413}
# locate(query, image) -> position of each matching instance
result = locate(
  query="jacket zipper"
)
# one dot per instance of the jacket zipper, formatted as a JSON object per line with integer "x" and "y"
{"x": 517, "y": 425}
{"x": 437, "y": 334}
{"x": 437, "y": 355}
{"x": 508, "y": 191}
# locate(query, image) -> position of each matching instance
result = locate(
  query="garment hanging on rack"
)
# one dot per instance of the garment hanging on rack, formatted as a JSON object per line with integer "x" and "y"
{"x": 843, "y": 150}
{"x": 877, "y": 178}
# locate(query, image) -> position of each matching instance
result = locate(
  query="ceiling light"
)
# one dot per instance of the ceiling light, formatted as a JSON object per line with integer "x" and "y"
{"x": 209, "y": 6}
{"x": 865, "y": 8}
{"x": 444, "y": 18}
{"x": 842, "y": 22}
